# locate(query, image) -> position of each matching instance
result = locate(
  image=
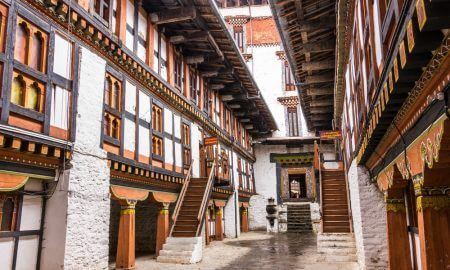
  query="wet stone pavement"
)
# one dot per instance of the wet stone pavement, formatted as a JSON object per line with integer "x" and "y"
{"x": 256, "y": 250}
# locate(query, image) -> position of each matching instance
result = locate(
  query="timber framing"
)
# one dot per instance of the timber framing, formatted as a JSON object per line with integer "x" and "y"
{"x": 307, "y": 30}
{"x": 96, "y": 36}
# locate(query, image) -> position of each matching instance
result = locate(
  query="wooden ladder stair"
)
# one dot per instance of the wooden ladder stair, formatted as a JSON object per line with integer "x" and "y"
{"x": 187, "y": 222}
{"x": 335, "y": 213}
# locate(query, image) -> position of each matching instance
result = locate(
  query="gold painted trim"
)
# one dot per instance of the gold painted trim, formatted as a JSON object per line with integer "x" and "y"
{"x": 435, "y": 202}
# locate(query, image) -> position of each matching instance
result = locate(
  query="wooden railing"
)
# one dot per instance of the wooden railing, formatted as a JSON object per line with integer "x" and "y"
{"x": 181, "y": 197}
{"x": 205, "y": 200}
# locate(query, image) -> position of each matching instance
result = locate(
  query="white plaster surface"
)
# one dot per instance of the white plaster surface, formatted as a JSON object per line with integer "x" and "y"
{"x": 87, "y": 235}
{"x": 369, "y": 219}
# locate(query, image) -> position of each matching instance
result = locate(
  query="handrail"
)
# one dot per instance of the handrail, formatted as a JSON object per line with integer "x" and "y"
{"x": 320, "y": 186}
{"x": 205, "y": 199}
{"x": 181, "y": 197}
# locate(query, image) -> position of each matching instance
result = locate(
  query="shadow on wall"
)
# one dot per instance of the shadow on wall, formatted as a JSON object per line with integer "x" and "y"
{"x": 145, "y": 234}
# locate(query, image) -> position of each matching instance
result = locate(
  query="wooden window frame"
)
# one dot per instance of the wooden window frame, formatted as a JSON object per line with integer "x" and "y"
{"x": 292, "y": 119}
{"x": 97, "y": 10}
{"x": 178, "y": 71}
{"x": 113, "y": 113}
{"x": 186, "y": 144}
{"x": 44, "y": 76}
{"x": 289, "y": 81}
{"x": 157, "y": 131}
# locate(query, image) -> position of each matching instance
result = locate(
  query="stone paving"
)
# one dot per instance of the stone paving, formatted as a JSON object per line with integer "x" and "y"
{"x": 256, "y": 250}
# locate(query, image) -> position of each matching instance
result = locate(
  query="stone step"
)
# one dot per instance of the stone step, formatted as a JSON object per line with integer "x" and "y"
{"x": 181, "y": 240}
{"x": 335, "y": 244}
{"x": 337, "y": 258}
{"x": 335, "y": 236}
{"x": 178, "y": 253}
{"x": 183, "y": 247}
{"x": 336, "y": 251}
{"x": 173, "y": 259}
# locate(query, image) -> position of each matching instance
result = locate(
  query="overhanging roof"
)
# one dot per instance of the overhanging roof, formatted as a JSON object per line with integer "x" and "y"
{"x": 199, "y": 30}
{"x": 307, "y": 29}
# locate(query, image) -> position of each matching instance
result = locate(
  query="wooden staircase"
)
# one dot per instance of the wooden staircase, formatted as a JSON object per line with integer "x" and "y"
{"x": 187, "y": 221}
{"x": 335, "y": 215}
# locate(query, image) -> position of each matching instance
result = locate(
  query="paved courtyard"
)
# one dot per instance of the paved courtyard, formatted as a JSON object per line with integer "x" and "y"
{"x": 256, "y": 250}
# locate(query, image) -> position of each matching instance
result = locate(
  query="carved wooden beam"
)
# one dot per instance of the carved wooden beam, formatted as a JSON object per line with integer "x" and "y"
{"x": 321, "y": 110}
{"x": 319, "y": 91}
{"x": 319, "y": 65}
{"x": 196, "y": 36}
{"x": 321, "y": 103}
{"x": 324, "y": 78}
{"x": 320, "y": 117}
{"x": 320, "y": 46}
{"x": 173, "y": 15}
{"x": 194, "y": 59}
{"x": 320, "y": 23}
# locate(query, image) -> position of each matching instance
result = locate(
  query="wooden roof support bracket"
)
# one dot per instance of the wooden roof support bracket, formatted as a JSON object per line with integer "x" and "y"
{"x": 174, "y": 15}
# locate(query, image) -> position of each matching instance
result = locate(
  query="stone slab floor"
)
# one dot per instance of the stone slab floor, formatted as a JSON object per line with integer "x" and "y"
{"x": 256, "y": 250}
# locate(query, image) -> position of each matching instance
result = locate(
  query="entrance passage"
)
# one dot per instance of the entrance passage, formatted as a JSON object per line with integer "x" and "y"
{"x": 297, "y": 186}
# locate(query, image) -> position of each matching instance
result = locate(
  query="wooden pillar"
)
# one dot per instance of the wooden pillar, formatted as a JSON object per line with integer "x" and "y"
{"x": 207, "y": 236}
{"x": 244, "y": 220}
{"x": 433, "y": 213}
{"x": 121, "y": 21}
{"x": 162, "y": 227}
{"x": 125, "y": 258}
{"x": 219, "y": 231}
{"x": 397, "y": 233}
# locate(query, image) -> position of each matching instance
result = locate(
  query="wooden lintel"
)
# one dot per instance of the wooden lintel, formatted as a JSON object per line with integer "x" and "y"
{"x": 318, "y": 65}
{"x": 173, "y": 15}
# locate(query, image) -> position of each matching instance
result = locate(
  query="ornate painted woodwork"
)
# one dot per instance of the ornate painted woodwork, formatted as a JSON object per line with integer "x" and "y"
{"x": 85, "y": 28}
{"x": 11, "y": 182}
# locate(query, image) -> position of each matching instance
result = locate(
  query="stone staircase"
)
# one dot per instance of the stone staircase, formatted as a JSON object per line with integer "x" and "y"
{"x": 184, "y": 250}
{"x": 336, "y": 248}
{"x": 299, "y": 217}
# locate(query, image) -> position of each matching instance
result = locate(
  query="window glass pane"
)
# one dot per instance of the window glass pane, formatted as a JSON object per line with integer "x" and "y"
{"x": 130, "y": 97}
{"x": 32, "y": 98}
{"x": 129, "y": 40}
{"x": 60, "y": 108}
{"x": 142, "y": 24}
{"x": 7, "y": 251}
{"x": 144, "y": 106}
{"x": 17, "y": 91}
{"x": 28, "y": 248}
{"x": 141, "y": 51}
{"x": 63, "y": 57}
{"x": 37, "y": 45}
{"x": 21, "y": 43}
{"x": 31, "y": 213}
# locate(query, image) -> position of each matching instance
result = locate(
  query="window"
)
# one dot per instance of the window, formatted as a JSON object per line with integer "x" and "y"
{"x": 130, "y": 27}
{"x": 157, "y": 118}
{"x": 112, "y": 92}
{"x": 112, "y": 99}
{"x": 227, "y": 118}
{"x": 186, "y": 141}
{"x": 160, "y": 54}
{"x": 289, "y": 82}
{"x": 30, "y": 45}
{"x": 8, "y": 212}
{"x": 157, "y": 146}
{"x": 157, "y": 126}
{"x": 27, "y": 92}
{"x": 292, "y": 121}
{"x": 239, "y": 170}
{"x": 238, "y": 32}
{"x": 206, "y": 99}
{"x": 101, "y": 9}
{"x": 194, "y": 85}
{"x": 178, "y": 71}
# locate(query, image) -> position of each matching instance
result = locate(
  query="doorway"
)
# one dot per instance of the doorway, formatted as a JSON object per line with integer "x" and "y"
{"x": 297, "y": 186}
